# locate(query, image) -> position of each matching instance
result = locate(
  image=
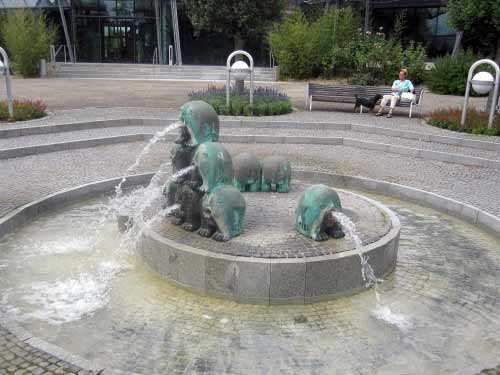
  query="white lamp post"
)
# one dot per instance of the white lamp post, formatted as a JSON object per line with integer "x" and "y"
{"x": 5, "y": 71}
{"x": 240, "y": 70}
{"x": 482, "y": 83}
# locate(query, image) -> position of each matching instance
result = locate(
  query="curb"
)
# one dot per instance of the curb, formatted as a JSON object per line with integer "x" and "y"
{"x": 72, "y": 145}
{"x": 262, "y": 139}
{"x": 233, "y": 123}
{"x": 31, "y": 210}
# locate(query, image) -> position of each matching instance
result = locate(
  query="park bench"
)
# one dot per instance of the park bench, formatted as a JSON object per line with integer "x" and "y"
{"x": 345, "y": 94}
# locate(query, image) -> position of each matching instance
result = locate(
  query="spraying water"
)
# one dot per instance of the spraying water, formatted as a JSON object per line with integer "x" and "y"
{"x": 366, "y": 269}
{"x": 382, "y": 312}
{"x": 156, "y": 138}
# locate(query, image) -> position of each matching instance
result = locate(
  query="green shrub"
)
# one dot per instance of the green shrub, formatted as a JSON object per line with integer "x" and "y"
{"x": 377, "y": 60}
{"x": 336, "y": 29}
{"x": 293, "y": 45}
{"x": 477, "y": 122}
{"x": 267, "y": 102}
{"x": 449, "y": 75}
{"x": 27, "y": 37}
{"x": 23, "y": 110}
{"x": 305, "y": 48}
{"x": 413, "y": 59}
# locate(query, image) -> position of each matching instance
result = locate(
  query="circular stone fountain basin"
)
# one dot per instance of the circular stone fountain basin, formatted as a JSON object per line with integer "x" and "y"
{"x": 270, "y": 262}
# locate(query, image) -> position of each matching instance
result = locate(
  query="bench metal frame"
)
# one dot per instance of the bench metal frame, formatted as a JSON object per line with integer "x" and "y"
{"x": 345, "y": 94}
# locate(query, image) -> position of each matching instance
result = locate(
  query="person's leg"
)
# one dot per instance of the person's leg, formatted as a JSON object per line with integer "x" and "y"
{"x": 394, "y": 101}
{"x": 383, "y": 103}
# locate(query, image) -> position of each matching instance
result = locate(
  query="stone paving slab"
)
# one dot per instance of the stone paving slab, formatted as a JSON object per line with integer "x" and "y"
{"x": 20, "y": 358}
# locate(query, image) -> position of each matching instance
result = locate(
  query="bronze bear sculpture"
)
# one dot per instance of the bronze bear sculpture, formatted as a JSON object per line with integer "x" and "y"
{"x": 314, "y": 216}
{"x": 247, "y": 172}
{"x": 276, "y": 174}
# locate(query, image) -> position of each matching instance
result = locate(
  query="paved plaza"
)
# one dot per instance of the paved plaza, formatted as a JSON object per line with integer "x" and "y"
{"x": 168, "y": 95}
{"x": 28, "y": 178}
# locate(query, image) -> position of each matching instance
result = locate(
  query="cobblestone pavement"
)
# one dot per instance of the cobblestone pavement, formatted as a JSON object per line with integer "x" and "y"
{"x": 269, "y": 231}
{"x": 29, "y": 178}
{"x": 19, "y": 358}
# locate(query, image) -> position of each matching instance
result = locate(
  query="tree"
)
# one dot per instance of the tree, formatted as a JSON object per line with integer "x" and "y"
{"x": 479, "y": 17}
{"x": 27, "y": 37}
{"x": 242, "y": 19}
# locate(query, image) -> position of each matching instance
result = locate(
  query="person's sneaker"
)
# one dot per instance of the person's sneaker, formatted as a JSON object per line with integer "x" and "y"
{"x": 378, "y": 114}
{"x": 389, "y": 115}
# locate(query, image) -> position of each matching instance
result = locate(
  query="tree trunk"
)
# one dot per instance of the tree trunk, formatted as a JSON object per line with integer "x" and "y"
{"x": 367, "y": 16}
{"x": 239, "y": 44}
{"x": 458, "y": 42}
{"x": 490, "y": 97}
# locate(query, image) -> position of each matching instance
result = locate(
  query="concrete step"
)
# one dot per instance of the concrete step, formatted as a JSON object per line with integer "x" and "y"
{"x": 149, "y": 71}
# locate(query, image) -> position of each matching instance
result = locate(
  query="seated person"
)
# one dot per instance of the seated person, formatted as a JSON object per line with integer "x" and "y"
{"x": 399, "y": 86}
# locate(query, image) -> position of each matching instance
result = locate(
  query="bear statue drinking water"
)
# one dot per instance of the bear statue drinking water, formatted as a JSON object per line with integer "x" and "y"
{"x": 314, "y": 214}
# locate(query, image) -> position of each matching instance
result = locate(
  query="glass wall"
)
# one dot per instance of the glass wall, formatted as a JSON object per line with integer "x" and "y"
{"x": 125, "y": 31}
{"x": 424, "y": 25}
{"x": 114, "y": 30}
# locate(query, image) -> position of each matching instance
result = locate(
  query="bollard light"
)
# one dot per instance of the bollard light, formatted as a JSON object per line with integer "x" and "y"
{"x": 483, "y": 82}
{"x": 4, "y": 71}
{"x": 240, "y": 70}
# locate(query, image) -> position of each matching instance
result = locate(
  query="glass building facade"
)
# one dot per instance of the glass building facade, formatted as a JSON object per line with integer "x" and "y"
{"x": 425, "y": 20}
{"x": 126, "y": 30}
{"x": 114, "y": 30}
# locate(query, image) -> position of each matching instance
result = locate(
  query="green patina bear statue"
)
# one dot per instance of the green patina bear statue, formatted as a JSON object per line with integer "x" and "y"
{"x": 223, "y": 213}
{"x": 247, "y": 172}
{"x": 223, "y": 206}
{"x": 201, "y": 124}
{"x": 201, "y": 121}
{"x": 276, "y": 174}
{"x": 214, "y": 165}
{"x": 314, "y": 215}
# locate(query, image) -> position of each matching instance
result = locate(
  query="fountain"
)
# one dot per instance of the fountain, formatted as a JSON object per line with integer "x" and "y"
{"x": 247, "y": 206}
{"x": 219, "y": 233}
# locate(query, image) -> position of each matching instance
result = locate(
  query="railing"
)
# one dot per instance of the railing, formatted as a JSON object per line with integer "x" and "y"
{"x": 55, "y": 52}
{"x": 155, "y": 56}
{"x": 272, "y": 62}
{"x": 170, "y": 55}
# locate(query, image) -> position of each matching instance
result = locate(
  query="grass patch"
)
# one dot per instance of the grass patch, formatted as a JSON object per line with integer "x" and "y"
{"x": 267, "y": 101}
{"x": 476, "y": 123}
{"x": 23, "y": 110}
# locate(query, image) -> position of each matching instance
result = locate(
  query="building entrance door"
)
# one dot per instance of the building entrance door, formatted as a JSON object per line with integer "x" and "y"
{"x": 118, "y": 41}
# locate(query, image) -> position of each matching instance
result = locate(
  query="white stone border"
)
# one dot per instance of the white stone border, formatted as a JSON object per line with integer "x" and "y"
{"x": 228, "y": 122}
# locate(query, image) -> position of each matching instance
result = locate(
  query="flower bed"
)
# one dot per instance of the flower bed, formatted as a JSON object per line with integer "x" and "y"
{"x": 267, "y": 101}
{"x": 477, "y": 122}
{"x": 23, "y": 110}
